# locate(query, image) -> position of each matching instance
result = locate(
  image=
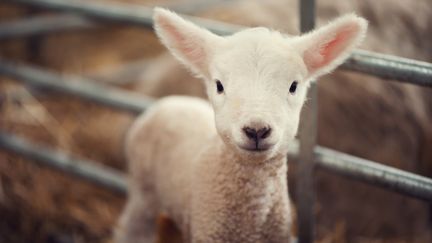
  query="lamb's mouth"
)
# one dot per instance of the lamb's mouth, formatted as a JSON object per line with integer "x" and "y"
{"x": 259, "y": 148}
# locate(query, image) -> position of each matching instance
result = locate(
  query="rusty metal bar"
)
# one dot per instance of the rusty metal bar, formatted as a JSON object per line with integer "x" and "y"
{"x": 307, "y": 137}
{"x": 87, "y": 170}
{"x": 42, "y": 25}
{"x": 76, "y": 86}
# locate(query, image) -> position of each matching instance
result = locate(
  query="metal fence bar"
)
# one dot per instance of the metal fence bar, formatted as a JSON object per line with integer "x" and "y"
{"x": 76, "y": 86}
{"x": 336, "y": 162}
{"x": 88, "y": 170}
{"x": 46, "y": 24}
{"x": 197, "y": 5}
{"x": 384, "y": 66}
{"x": 307, "y": 136}
{"x": 323, "y": 156}
{"x": 390, "y": 67}
{"x": 369, "y": 172}
{"x": 121, "y": 13}
{"x": 43, "y": 25}
{"x": 373, "y": 173}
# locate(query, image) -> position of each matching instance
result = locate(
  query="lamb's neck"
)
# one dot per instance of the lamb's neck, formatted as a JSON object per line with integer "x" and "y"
{"x": 252, "y": 175}
{"x": 252, "y": 166}
{"x": 224, "y": 167}
{"x": 254, "y": 192}
{"x": 249, "y": 195}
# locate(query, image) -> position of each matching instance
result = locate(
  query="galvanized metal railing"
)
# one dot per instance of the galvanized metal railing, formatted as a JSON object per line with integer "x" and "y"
{"x": 120, "y": 13}
{"x": 90, "y": 91}
{"x": 65, "y": 22}
{"x": 310, "y": 155}
{"x": 307, "y": 136}
{"x": 43, "y": 25}
{"x": 384, "y": 66}
{"x": 85, "y": 169}
{"x": 76, "y": 86}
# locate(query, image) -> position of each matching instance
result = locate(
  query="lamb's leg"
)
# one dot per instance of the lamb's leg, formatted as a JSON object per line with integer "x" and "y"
{"x": 138, "y": 222}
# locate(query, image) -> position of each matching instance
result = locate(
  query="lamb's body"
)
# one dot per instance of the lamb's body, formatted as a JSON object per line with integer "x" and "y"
{"x": 219, "y": 171}
{"x": 202, "y": 188}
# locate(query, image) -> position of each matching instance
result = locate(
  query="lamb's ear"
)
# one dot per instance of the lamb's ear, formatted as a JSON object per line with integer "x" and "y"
{"x": 189, "y": 43}
{"x": 327, "y": 47}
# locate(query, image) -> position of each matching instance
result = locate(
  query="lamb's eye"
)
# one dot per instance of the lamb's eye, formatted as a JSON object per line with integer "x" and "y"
{"x": 219, "y": 87}
{"x": 293, "y": 87}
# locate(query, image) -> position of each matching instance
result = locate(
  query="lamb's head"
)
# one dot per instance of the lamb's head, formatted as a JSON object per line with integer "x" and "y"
{"x": 257, "y": 78}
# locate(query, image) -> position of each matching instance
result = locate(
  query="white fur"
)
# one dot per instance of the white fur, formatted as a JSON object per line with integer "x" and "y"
{"x": 188, "y": 158}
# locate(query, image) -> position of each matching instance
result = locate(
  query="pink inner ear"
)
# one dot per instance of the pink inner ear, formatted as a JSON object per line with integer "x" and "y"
{"x": 326, "y": 52}
{"x": 188, "y": 44}
{"x": 337, "y": 45}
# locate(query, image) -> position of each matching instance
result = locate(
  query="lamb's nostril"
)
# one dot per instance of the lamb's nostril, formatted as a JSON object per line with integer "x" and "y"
{"x": 264, "y": 132}
{"x": 251, "y": 133}
{"x": 255, "y": 135}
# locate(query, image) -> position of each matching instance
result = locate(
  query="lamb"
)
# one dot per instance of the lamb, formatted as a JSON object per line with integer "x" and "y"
{"x": 218, "y": 169}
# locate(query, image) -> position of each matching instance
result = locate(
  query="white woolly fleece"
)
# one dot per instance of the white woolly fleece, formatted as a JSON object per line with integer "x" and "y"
{"x": 197, "y": 161}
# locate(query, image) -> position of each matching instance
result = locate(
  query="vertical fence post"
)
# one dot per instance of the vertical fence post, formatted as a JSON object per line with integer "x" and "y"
{"x": 307, "y": 135}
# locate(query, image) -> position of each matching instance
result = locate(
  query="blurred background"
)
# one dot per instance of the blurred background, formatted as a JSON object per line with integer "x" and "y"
{"x": 388, "y": 122}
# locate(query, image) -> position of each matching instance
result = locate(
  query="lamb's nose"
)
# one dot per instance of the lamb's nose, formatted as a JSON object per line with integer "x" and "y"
{"x": 257, "y": 135}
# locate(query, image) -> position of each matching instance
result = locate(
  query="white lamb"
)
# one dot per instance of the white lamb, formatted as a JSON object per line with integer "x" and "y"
{"x": 218, "y": 169}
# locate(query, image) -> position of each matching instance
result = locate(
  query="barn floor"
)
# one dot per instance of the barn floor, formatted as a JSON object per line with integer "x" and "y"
{"x": 38, "y": 204}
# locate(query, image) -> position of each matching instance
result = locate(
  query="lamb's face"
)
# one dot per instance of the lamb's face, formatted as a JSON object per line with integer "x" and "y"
{"x": 257, "y": 79}
{"x": 257, "y": 87}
